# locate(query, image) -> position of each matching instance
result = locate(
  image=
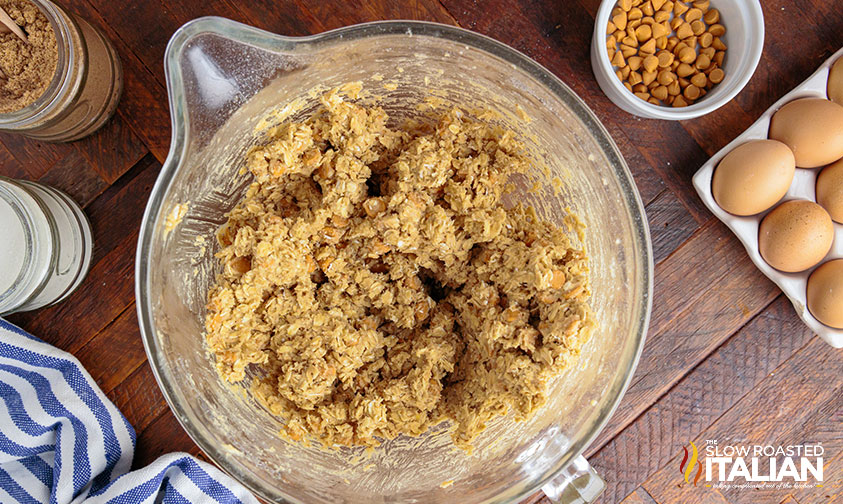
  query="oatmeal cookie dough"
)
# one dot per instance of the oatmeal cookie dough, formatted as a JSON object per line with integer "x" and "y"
{"x": 28, "y": 66}
{"x": 378, "y": 286}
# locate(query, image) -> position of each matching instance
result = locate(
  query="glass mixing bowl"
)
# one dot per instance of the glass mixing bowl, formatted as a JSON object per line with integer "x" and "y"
{"x": 227, "y": 81}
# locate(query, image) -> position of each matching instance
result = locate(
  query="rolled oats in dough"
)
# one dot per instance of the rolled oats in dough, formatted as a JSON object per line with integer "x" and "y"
{"x": 375, "y": 281}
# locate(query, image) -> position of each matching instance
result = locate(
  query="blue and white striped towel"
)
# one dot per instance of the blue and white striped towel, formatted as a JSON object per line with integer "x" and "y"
{"x": 62, "y": 441}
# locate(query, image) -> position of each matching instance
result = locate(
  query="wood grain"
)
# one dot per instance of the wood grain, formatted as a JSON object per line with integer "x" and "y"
{"x": 75, "y": 176}
{"x": 726, "y": 354}
{"x": 700, "y": 398}
{"x": 774, "y": 410}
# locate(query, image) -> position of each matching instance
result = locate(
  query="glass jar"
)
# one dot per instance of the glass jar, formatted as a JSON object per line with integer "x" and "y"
{"x": 85, "y": 89}
{"x": 46, "y": 248}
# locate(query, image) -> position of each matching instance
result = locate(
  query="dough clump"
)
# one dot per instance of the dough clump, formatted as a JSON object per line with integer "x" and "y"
{"x": 377, "y": 285}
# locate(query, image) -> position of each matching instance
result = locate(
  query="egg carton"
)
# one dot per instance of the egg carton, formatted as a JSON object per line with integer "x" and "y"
{"x": 803, "y": 187}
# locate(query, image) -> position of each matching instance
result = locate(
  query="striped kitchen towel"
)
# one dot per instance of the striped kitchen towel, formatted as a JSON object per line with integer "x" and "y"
{"x": 62, "y": 441}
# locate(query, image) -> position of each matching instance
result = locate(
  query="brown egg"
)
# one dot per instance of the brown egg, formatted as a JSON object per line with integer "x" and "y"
{"x": 812, "y": 128}
{"x": 830, "y": 189}
{"x": 795, "y": 236}
{"x": 825, "y": 293}
{"x": 835, "y": 82}
{"x": 753, "y": 177}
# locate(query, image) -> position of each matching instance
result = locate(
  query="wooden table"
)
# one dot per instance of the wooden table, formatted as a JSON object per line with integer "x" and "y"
{"x": 726, "y": 356}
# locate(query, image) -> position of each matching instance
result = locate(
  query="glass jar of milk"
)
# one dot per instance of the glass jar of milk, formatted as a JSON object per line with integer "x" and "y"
{"x": 45, "y": 247}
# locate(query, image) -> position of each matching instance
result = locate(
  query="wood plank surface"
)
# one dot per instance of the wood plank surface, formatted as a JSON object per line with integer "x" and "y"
{"x": 726, "y": 355}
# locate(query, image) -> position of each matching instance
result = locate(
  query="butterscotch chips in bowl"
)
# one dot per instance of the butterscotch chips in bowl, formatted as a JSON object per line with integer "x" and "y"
{"x": 667, "y": 53}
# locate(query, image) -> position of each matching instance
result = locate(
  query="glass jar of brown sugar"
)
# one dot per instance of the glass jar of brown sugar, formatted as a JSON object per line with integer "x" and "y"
{"x": 84, "y": 90}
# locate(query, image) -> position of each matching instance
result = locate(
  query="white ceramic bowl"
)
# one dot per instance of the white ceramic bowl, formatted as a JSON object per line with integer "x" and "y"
{"x": 744, "y": 22}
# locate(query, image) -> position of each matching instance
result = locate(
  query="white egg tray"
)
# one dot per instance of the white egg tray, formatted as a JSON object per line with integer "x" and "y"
{"x": 803, "y": 187}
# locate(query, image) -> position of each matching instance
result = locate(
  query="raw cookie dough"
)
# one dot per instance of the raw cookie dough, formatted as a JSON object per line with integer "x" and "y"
{"x": 379, "y": 287}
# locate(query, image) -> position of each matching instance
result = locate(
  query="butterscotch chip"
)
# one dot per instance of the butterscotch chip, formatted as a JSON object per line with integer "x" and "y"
{"x": 718, "y": 44}
{"x": 634, "y": 78}
{"x": 716, "y": 76}
{"x": 687, "y": 55}
{"x": 649, "y": 47}
{"x": 660, "y": 92}
{"x": 619, "y": 20}
{"x": 718, "y": 30}
{"x": 679, "y": 8}
{"x": 666, "y": 77}
{"x": 659, "y": 30}
{"x": 684, "y": 70}
{"x": 618, "y": 60}
{"x": 718, "y": 58}
{"x": 699, "y": 80}
{"x": 648, "y": 77}
{"x": 665, "y": 59}
{"x": 684, "y": 31}
{"x": 712, "y": 16}
{"x": 635, "y": 13}
{"x": 644, "y": 33}
{"x": 698, "y": 27}
{"x": 651, "y": 63}
{"x": 693, "y": 15}
{"x": 706, "y": 39}
{"x": 679, "y": 101}
{"x": 703, "y": 62}
{"x": 634, "y": 62}
{"x": 644, "y": 96}
{"x": 673, "y": 88}
{"x": 691, "y": 92}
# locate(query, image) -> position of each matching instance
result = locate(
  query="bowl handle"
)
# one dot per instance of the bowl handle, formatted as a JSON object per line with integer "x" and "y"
{"x": 578, "y": 483}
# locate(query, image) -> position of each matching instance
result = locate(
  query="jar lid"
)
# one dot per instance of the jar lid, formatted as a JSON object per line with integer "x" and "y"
{"x": 22, "y": 247}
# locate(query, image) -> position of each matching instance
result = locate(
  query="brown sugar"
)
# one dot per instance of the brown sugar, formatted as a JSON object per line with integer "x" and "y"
{"x": 29, "y": 66}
